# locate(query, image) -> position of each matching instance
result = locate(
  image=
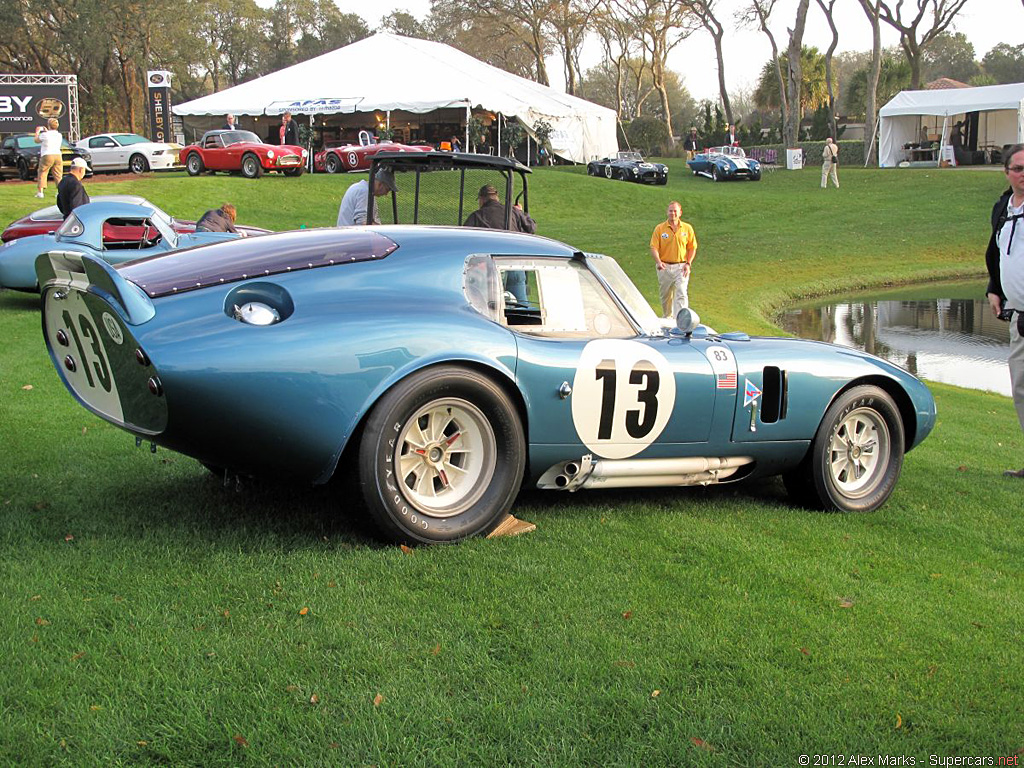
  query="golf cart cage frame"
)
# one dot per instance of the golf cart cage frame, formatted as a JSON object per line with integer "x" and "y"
{"x": 421, "y": 163}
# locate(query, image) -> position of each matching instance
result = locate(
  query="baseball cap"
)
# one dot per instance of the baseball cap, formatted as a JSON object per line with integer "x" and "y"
{"x": 487, "y": 190}
{"x": 79, "y": 163}
{"x": 387, "y": 178}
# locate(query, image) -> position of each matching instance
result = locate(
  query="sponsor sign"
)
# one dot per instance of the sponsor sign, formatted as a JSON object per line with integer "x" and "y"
{"x": 326, "y": 106}
{"x": 159, "y": 83}
{"x": 23, "y": 107}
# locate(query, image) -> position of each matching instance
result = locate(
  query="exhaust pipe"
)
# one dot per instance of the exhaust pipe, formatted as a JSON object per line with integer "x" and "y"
{"x": 641, "y": 473}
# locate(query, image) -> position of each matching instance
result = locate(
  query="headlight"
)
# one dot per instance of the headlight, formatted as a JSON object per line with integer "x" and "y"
{"x": 633, "y": 170}
{"x": 305, "y": 153}
{"x": 270, "y": 154}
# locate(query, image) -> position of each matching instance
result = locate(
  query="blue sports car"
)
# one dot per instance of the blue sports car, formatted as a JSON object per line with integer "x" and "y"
{"x": 724, "y": 163}
{"x": 404, "y": 354}
{"x": 112, "y": 230}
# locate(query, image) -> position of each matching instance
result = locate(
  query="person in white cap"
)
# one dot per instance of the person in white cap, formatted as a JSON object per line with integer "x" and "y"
{"x": 353, "y": 205}
{"x": 70, "y": 192}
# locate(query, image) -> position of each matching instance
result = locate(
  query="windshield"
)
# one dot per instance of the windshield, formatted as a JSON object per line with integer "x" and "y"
{"x": 628, "y": 293}
{"x": 630, "y": 156}
{"x": 124, "y": 139}
{"x": 234, "y": 137}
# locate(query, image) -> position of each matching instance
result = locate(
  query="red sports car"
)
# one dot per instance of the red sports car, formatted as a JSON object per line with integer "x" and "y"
{"x": 241, "y": 151}
{"x": 48, "y": 219}
{"x": 356, "y": 157}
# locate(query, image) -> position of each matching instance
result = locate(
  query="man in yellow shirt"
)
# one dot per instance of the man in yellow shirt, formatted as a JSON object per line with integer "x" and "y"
{"x": 674, "y": 247}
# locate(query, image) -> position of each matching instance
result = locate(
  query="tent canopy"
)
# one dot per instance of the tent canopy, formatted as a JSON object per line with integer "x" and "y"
{"x": 388, "y": 72}
{"x": 900, "y": 121}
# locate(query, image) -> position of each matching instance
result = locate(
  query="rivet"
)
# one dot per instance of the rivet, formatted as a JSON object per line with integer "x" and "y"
{"x": 69, "y": 363}
{"x": 141, "y": 357}
{"x": 62, "y": 337}
{"x": 155, "y": 387}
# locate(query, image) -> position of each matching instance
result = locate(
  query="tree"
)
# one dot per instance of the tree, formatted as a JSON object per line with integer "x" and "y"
{"x": 660, "y": 26}
{"x": 457, "y": 24}
{"x": 813, "y": 89}
{"x": 648, "y": 134}
{"x": 941, "y": 14}
{"x": 893, "y": 77}
{"x": 950, "y": 55}
{"x": 872, "y": 9}
{"x": 828, "y": 9}
{"x": 704, "y": 12}
{"x": 569, "y": 21}
{"x": 327, "y": 29}
{"x": 794, "y": 76}
{"x": 524, "y": 20}
{"x": 403, "y": 23}
{"x": 1005, "y": 63}
{"x": 638, "y": 96}
{"x": 757, "y": 13}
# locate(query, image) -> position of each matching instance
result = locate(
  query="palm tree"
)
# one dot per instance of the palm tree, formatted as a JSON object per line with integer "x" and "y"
{"x": 894, "y": 77}
{"x": 813, "y": 88}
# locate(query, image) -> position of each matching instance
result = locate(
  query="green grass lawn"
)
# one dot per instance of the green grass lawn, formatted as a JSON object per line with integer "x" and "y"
{"x": 150, "y": 616}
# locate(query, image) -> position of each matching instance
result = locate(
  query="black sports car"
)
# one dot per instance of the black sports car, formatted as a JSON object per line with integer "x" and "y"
{"x": 629, "y": 166}
{"x": 19, "y": 155}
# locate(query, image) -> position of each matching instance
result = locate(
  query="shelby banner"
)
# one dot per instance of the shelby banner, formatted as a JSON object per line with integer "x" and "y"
{"x": 159, "y": 82}
{"x": 23, "y": 107}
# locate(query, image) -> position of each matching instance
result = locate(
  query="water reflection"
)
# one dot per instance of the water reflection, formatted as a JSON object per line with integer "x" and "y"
{"x": 952, "y": 340}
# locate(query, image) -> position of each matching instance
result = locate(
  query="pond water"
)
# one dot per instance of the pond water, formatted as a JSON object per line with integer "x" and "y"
{"x": 940, "y": 331}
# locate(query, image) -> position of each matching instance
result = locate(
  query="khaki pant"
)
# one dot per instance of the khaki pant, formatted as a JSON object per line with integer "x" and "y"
{"x": 673, "y": 288}
{"x": 1017, "y": 368}
{"x": 48, "y": 163}
{"x": 828, "y": 168}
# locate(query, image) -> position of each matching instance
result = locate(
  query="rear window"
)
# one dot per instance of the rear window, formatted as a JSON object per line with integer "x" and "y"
{"x": 241, "y": 259}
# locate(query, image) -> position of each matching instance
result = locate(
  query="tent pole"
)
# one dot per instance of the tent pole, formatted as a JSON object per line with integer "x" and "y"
{"x": 387, "y": 121}
{"x": 469, "y": 116}
{"x": 942, "y": 142}
{"x": 499, "y": 135}
{"x": 874, "y": 135}
{"x": 527, "y": 150}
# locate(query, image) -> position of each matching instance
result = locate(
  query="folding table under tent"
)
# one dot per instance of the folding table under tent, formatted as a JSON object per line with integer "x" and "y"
{"x": 1000, "y": 121}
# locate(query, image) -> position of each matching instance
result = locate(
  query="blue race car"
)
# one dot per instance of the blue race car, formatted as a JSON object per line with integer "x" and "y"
{"x": 724, "y": 163}
{"x": 448, "y": 366}
{"x": 112, "y": 230}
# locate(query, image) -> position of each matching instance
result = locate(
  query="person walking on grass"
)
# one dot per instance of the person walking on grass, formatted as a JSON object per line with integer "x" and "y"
{"x": 50, "y": 159}
{"x": 673, "y": 247}
{"x": 1004, "y": 259}
{"x": 829, "y": 163}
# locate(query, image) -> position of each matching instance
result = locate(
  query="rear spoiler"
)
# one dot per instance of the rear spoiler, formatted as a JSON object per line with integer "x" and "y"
{"x": 74, "y": 269}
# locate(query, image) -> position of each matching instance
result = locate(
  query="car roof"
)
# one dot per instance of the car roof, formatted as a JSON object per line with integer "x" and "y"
{"x": 438, "y": 160}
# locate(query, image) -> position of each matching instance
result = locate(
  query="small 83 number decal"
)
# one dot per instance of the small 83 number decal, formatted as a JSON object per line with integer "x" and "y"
{"x": 623, "y": 396}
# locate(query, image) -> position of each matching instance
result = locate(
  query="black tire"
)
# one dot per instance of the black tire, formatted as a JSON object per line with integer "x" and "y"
{"x": 294, "y": 171}
{"x": 714, "y": 173}
{"x": 755, "y": 176}
{"x": 332, "y": 164}
{"x": 138, "y": 164}
{"x": 607, "y": 171}
{"x": 413, "y": 500}
{"x": 251, "y": 167}
{"x": 23, "y": 172}
{"x": 856, "y": 456}
{"x": 194, "y": 164}
{"x": 663, "y": 181}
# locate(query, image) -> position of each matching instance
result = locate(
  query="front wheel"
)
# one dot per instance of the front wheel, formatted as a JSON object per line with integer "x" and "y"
{"x": 856, "y": 456}
{"x": 332, "y": 164}
{"x": 138, "y": 164}
{"x": 23, "y": 172}
{"x": 714, "y": 173}
{"x": 294, "y": 171}
{"x": 607, "y": 171}
{"x": 194, "y": 164}
{"x": 251, "y": 167}
{"x": 442, "y": 457}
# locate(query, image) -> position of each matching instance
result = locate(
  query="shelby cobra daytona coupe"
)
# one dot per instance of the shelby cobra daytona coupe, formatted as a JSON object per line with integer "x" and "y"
{"x": 397, "y": 352}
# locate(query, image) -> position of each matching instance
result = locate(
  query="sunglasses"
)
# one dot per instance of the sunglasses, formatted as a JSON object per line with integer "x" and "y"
{"x": 1015, "y": 168}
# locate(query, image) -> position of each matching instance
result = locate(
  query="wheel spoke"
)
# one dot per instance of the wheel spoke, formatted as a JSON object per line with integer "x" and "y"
{"x": 425, "y": 481}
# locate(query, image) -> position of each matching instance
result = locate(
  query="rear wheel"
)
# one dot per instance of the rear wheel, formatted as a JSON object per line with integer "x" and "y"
{"x": 138, "y": 164}
{"x": 442, "y": 457}
{"x": 23, "y": 172}
{"x": 194, "y": 164}
{"x": 856, "y": 456}
{"x": 332, "y": 164}
{"x": 251, "y": 167}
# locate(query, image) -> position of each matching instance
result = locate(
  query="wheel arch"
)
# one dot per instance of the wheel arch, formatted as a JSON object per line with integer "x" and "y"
{"x": 347, "y": 453}
{"x": 891, "y": 387}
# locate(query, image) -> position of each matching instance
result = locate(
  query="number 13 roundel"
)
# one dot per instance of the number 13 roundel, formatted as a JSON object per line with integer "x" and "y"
{"x": 622, "y": 397}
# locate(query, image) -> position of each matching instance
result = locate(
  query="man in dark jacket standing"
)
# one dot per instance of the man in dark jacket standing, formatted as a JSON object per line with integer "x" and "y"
{"x": 70, "y": 192}
{"x": 491, "y": 213}
{"x": 218, "y": 220}
{"x": 1005, "y": 261}
{"x": 289, "y": 131}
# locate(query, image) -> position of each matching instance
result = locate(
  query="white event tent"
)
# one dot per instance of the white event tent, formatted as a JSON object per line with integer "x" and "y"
{"x": 389, "y": 72}
{"x": 1001, "y": 118}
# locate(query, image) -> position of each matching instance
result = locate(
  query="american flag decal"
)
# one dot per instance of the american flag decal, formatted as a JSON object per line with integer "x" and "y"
{"x": 727, "y": 380}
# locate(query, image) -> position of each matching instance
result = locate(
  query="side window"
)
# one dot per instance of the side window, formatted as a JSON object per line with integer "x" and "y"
{"x": 101, "y": 142}
{"x": 123, "y": 234}
{"x": 212, "y": 142}
{"x": 558, "y": 298}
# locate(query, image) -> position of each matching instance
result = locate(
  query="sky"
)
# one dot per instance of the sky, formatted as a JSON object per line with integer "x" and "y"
{"x": 984, "y": 22}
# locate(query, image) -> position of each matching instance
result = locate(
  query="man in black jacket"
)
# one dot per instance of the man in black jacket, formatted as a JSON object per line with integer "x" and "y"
{"x": 491, "y": 213}
{"x": 218, "y": 220}
{"x": 1005, "y": 261}
{"x": 70, "y": 192}
{"x": 289, "y": 131}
